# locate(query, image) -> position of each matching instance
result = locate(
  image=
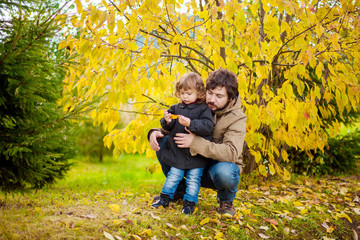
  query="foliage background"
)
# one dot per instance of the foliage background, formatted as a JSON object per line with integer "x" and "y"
{"x": 297, "y": 65}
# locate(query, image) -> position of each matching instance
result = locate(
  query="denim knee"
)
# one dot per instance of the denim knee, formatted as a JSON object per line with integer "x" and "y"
{"x": 226, "y": 179}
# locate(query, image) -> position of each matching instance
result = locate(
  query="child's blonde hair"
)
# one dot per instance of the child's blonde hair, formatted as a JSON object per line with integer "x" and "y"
{"x": 192, "y": 81}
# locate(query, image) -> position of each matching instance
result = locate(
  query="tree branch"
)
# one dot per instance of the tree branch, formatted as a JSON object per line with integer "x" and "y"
{"x": 187, "y": 58}
{"x": 153, "y": 100}
{"x": 311, "y": 27}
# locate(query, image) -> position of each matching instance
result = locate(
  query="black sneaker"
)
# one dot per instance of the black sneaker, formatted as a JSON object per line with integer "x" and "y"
{"x": 163, "y": 201}
{"x": 177, "y": 196}
{"x": 188, "y": 207}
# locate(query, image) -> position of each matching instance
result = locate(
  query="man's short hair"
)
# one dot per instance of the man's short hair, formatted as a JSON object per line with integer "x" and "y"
{"x": 223, "y": 78}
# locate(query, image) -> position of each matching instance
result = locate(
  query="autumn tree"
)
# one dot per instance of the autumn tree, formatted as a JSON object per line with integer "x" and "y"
{"x": 36, "y": 135}
{"x": 297, "y": 63}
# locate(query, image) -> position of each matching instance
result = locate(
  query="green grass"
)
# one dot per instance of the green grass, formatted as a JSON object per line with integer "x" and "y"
{"x": 114, "y": 197}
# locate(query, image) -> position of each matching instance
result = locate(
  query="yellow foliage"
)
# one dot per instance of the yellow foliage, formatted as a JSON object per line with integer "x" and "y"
{"x": 293, "y": 74}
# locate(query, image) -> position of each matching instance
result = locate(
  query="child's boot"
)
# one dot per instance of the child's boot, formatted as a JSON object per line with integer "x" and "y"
{"x": 163, "y": 201}
{"x": 188, "y": 207}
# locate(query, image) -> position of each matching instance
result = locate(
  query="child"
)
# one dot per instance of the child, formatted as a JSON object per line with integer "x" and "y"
{"x": 192, "y": 113}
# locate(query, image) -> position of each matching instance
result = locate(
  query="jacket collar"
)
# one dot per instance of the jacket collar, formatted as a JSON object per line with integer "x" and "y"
{"x": 188, "y": 106}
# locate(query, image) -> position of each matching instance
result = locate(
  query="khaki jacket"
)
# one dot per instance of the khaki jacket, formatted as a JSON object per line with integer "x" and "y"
{"x": 228, "y": 136}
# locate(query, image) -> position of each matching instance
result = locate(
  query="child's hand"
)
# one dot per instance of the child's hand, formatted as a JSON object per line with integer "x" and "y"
{"x": 167, "y": 117}
{"x": 184, "y": 121}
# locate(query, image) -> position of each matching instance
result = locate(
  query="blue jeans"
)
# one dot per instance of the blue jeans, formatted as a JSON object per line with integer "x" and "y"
{"x": 221, "y": 176}
{"x": 193, "y": 178}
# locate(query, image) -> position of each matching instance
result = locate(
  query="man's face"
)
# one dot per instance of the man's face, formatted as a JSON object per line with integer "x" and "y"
{"x": 216, "y": 98}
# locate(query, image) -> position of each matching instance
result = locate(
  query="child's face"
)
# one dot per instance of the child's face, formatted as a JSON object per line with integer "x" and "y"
{"x": 188, "y": 96}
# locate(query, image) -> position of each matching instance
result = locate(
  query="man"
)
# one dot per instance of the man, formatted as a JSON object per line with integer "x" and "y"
{"x": 225, "y": 150}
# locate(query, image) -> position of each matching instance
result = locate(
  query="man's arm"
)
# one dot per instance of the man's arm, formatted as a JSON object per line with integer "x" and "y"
{"x": 228, "y": 150}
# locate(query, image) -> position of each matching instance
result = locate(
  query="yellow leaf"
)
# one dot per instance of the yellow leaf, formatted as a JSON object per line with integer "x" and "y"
{"x": 170, "y": 226}
{"x": 204, "y": 221}
{"x": 250, "y": 227}
{"x": 227, "y": 215}
{"x": 262, "y": 170}
{"x": 344, "y": 215}
{"x": 62, "y": 44}
{"x": 287, "y": 175}
{"x": 117, "y": 222}
{"x": 330, "y": 229}
{"x": 276, "y": 229}
{"x": 271, "y": 169}
{"x": 79, "y": 6}
{"x": 136, "y": 236}
{"x": 304, "y": 211}
{"x": 183, "y": 227}
{"x": 218, "y": 235}
{"x": 297, "y": 204}
{"x": 147, "y": 232}
{"x": 114, "y": 207}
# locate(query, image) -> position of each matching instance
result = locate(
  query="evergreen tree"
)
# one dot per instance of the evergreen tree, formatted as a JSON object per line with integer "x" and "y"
{"x": 36, "y": 135}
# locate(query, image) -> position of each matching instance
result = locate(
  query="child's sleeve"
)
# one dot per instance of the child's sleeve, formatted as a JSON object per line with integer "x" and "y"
{"x": 204, "y": 125}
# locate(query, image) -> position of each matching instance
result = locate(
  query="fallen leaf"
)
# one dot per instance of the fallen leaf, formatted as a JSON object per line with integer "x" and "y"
{"x": 304, "y": 211}
{"x": 170, "y": 225}
{"x": 117, "y": 222}
{"x": 250, "y": 227}
{"x": 330, "y": 229}
{"x": 227, "y": 215}
{"x": 344, "y": 215}
{"x": 218, "y": 235}
{"x": 204, "y": 221}
{"x": 356, "y": 237}
{"x": 263, "y": 236}
{"x": 166, "y": 234}
{"x": 297, "y": 204}
{"x": 155, "y": 217}
{"x": 118, "y": 237}
{"x": 356, "y": 199}
{"x": 89, "y": 216}
{"x": 114, "y": 207}
{"x": 343, "y": 190}
{"x": 147, "y": 232}
{"x": 72, "y": 225}
{"x": 356, "y": 210}
{"x": 183, "y": 227}
{"x": 264, "y": 228}
{"x": 108, "y": 236}
{"x": 271, "y": 221}
{"x": 236, "y": 229}
{"x": 128, "y": 221}
{"x": 274, "y": 227}
{"x": 216, "y": 221}
{"x": 136, "y": 237}
{"x": 324, "y": 224}
{"x": 286, "y": 230}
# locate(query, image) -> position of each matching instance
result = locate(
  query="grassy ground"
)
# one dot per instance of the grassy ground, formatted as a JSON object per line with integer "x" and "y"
{"x": 111, "y": 200}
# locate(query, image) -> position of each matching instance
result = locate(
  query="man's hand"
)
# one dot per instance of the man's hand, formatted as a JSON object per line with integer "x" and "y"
{"x": 184, "y": 121}
{"x": 153, "y": 140}
{"x": 184, "y": 140}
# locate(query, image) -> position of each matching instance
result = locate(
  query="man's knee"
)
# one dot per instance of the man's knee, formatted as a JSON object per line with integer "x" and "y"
{"x": 226, "y": 175}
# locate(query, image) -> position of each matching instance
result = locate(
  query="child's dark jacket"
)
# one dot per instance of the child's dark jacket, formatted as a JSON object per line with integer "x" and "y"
{"x": 201, "y": 124}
